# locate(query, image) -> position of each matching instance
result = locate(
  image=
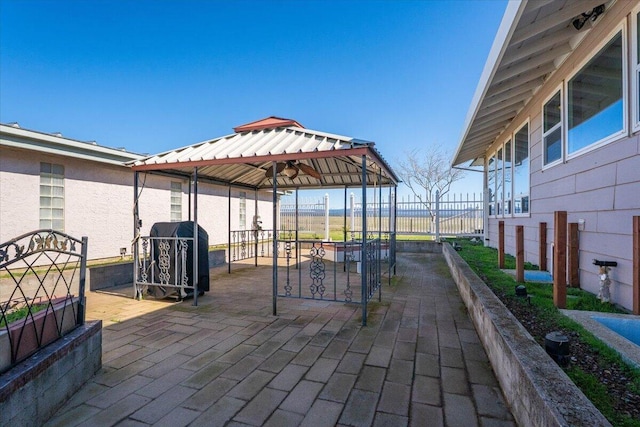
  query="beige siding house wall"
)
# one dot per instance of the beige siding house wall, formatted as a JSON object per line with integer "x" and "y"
{"x": 600, "y": 185}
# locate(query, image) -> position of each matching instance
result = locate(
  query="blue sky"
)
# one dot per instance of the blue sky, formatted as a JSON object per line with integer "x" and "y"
{"x": 155, "y": 75}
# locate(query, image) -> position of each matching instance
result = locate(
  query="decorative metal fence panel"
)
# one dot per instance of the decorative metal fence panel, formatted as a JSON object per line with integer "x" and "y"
{"x": 451, "y": 215}
{"x": 373, "y": 272}
{"x": 42, "y": 292}
{"x": 162, "y": 267}
{"x": 329, "y": 271}
{"x": 251, "y": 244}
{"x": 311, "y": 215}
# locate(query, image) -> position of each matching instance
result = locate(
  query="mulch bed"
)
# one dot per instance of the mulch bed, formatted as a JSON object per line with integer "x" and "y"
{"x": 584, "y": 356}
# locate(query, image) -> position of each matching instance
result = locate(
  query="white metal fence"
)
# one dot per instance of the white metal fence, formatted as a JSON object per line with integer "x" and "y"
{"x": 451, "y": 215}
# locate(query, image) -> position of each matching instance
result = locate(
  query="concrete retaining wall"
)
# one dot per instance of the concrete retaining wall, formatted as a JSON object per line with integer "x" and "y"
{"x": 538, "y": 391}
{"x": 107, "y": 276}
{"x": 418, "y": 246}
{"x": 32, "y": 391}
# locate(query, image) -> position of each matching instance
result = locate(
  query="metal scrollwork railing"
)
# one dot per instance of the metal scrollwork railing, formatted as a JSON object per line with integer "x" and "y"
{"x": 287, "y": 286}
{"x": 162, "y": 266}
{"x": 42, "y": 286}
{"x": 164, "y": 262}
{"x": 373, "y": 270}
{"x": 348, "y": 258}
{"x": 248, "y": 244}
{"x": 243, "y": 245}
{"x": 317, "y": 270}
{"x": 182, "y": 249}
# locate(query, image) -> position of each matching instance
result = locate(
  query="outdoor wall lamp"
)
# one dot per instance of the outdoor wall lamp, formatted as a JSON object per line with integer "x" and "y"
{"x": 592, "y": 15}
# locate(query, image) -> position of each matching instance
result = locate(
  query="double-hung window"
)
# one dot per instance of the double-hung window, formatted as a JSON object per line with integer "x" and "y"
{"x": 508, "y": 175}
{"x": 52, "y": 196}
{"x": 552, "y": 130}
{"x": 176, "y": 201}
{"x": 491, "y": 184}
{"x": 521, "y": 170}
{"x": 243, "y": 211}
{"x": 499, "y": 181}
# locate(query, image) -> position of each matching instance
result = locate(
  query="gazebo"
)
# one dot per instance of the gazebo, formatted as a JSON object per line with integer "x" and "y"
{"x": 273, "y": 154}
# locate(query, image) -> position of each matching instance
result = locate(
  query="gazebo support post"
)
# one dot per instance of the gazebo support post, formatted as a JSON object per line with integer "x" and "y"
{"x": 136, "y": 233}
{"x": 363, "y": 250}
{"x": 296, "y": 222}
{"x": 195, "y": 237}
{"x": 275, "y": 239}
{"x": 379, "y": 267}
{"x": 298, "y": 253}
{"x": 389, "y": 214}
{"x": 229, "y": 229}
{"x": 395, "y": 226}
{"x": 255, "y": 224}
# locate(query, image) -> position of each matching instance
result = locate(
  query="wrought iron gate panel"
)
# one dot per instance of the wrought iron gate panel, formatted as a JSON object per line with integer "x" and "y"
{"x": 42, "y": 290}
{"x": 317, "y": 270}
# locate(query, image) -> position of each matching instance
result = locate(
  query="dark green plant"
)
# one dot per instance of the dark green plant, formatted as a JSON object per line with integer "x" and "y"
{"x": 20, "y": 313}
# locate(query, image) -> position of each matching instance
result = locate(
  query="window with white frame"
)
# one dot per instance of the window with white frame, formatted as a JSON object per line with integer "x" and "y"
{"x": 595, "y": 101}
{"x": 52, "y": 196}
{"x": 499, "y": 181}
{"x": 243, "y": 211}
{"x": 508, "y": 170}
{"x": 491, "y": 182}
{"x": 176, "y": 201}
{"x": 635, "y": 67}
{"x": 521, "y": 170}
{"x": 508, "y": 175}
{"x": 552, "y": 130}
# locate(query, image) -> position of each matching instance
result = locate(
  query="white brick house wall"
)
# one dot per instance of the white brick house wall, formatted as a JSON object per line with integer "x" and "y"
{"x": 98, "y": 201}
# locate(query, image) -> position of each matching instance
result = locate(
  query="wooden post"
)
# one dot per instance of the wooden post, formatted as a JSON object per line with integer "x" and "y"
{"x": 636, "y": 265}
{"x": 500, "y": 244}
{"x": 574, "y": 248}
{"x": 519, "y": 254}
{"x": 560, "y": 259}
{"x": 542, "y": 248}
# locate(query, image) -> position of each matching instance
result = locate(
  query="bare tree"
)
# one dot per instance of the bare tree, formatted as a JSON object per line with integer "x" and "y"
{"x": 426, "y": 172}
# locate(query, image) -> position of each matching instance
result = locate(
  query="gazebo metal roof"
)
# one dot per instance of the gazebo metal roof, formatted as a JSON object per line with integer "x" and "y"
{"x": 533, "y": 41}
{"x": 243, "y": 158}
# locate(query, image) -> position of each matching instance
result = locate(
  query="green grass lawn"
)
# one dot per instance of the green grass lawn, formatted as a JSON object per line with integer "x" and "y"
{"x": 484, "y": 261}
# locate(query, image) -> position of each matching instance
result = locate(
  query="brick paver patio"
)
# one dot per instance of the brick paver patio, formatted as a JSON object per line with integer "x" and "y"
{"x": 230, "y": 362}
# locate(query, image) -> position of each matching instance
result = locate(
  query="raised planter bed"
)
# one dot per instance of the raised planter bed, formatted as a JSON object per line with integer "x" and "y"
{"x": 25, "y": 336}
{"x": 537, "y": 390}
{"x": 34, "y": 389}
